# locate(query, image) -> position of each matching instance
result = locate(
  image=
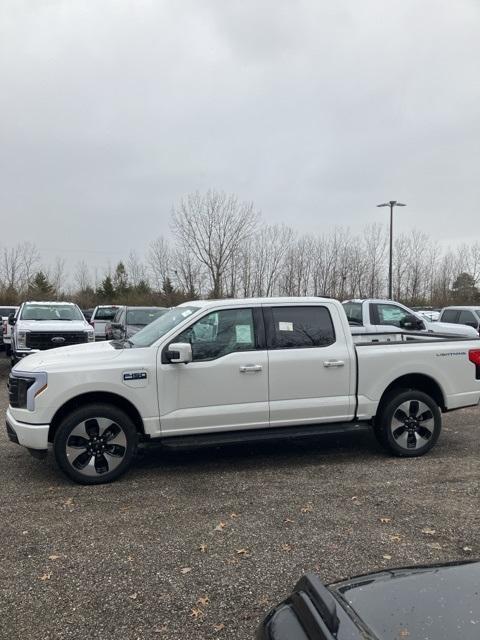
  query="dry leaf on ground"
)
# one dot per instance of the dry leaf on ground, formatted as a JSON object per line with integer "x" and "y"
{"x": 46, "y": 576}
{"x": 196, "y": 613}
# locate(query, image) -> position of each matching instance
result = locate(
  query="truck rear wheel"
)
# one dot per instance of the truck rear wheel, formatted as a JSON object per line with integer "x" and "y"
{"x": 409, "y": 423}
{"x": 95, "y": 444}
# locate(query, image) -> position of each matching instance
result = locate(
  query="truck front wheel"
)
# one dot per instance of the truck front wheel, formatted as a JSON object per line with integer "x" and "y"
{"x": 409, "y": 423}
{"x": 95, "y": 444}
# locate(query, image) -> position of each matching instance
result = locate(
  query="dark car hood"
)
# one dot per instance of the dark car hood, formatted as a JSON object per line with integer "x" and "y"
{"x": 418, "y": 603}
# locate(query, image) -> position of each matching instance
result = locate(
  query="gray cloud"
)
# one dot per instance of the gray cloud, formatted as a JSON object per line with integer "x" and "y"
{"x": 316, "y": 111}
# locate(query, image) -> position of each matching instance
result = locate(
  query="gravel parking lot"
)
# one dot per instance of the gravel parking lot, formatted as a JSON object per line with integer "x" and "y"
{"x": 200, "y": 544}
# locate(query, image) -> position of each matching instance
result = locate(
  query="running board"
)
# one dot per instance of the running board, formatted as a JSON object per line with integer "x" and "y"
{"x": 262, "y": 435}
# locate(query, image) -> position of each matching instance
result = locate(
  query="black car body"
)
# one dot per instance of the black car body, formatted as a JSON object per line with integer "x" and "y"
{"x": 440, "y": 602}
{"x": 129, "y": 320}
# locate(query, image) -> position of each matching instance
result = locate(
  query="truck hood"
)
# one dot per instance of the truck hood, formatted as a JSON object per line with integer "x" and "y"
{"x": 93, "y": 353}
{"x": 53, "y": 325}
{"x": 450, "y": 327}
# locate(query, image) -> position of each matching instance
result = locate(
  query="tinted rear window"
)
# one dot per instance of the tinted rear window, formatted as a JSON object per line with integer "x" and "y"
{"x": 354, "y": 312}
{"x": 106, "y": 314}
{"x": 6, "y": 311}
{"x": 301, "y": 327}
{"x": 450, "y": 315}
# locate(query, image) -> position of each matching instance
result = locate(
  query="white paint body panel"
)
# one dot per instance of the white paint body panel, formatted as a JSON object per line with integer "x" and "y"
{"x": 292, "y": 387}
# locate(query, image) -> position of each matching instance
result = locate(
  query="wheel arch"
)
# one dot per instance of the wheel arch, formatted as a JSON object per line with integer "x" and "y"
{"x": 96, "y": 397}
{"x": 419, "y": 382}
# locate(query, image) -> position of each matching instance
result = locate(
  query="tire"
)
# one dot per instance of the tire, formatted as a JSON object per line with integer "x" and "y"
{"x": 95, "y": 444}
{"x": 409, "y": 423}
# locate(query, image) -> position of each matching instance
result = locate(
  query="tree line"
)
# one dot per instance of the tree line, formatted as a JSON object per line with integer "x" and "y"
{"x": 220, "y": 247}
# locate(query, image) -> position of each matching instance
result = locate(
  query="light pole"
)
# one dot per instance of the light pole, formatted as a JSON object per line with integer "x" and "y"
{"x": 391, "y": 204}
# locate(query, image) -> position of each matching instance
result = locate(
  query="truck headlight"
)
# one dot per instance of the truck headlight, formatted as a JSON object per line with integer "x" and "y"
{"x": 22, "y": 340}
{"x": 24, "y": 387}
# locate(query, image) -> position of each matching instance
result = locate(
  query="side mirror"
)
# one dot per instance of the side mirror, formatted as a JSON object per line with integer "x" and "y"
{"x": 412, "y": 323}
{"x": 179, "y": 352}
{"x": 11, "y": 319}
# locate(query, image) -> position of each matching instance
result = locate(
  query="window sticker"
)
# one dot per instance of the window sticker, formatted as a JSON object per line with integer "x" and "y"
{"x": 243, "y": 333}
{"x": 285, "y": 326}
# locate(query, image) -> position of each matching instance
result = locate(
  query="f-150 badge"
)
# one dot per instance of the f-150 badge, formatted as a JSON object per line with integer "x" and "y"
{"x": 135, "y": 375}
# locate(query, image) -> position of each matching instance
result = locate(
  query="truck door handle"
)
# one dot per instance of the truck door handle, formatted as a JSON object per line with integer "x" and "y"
{"x": 333, "y": 363}
{"x": 250, "y": 368}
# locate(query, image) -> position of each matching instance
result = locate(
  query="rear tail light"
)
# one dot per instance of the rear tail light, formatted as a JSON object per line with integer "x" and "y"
{"x": 4, "y": 327}
{"x": 474, "y": 356}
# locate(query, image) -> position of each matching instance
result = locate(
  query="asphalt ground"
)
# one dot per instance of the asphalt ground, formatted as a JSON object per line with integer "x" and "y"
{"x": 201, "y": 544}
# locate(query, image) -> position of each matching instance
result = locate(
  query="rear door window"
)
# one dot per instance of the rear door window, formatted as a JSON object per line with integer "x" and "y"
{"x": 450, "y": 315}
{"x": 353, "y": 312}
{"x": 107, "y": 313}
{"x": 299, "y": 327}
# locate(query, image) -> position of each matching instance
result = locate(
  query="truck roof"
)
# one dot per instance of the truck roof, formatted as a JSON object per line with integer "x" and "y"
{"x": 246, "y": 301}
{"x": 51, "y": 302}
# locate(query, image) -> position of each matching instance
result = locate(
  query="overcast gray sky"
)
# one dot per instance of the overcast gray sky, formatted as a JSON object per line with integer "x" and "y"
{"x": 314, "y": 110}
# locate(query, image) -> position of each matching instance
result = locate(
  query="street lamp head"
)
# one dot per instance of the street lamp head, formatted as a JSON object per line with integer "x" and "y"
{"x": 392, "y": 203}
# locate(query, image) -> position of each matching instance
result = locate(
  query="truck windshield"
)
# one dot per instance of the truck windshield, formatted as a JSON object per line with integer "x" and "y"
{"x": 51, "y": 312}
{"x": 354, "y": 312}
{"x": 158, "y": 328}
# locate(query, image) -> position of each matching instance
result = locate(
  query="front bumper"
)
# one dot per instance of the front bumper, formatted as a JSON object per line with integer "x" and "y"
{"x": 32, "y": 436}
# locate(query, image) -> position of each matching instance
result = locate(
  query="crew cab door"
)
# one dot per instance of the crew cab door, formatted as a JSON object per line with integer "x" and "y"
{"x": 226, "y": 384}
{"x": 310, "y": 365}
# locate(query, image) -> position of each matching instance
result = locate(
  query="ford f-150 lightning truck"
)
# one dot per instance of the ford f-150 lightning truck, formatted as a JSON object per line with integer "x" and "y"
{"x": 235, "y": 370}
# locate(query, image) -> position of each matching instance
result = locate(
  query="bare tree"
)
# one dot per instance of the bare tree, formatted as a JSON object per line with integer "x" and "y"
{"x": 159, "y": 262}
{"x": 189, "y": 276}
{"x": 56, "y": 276}
{"x": 136, "y": 269}
{"x": 214, "y": 226}
{"x": 82, "y": 276}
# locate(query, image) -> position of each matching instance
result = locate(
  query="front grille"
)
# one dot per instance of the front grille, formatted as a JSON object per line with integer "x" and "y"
{"x": 52, "y": 339}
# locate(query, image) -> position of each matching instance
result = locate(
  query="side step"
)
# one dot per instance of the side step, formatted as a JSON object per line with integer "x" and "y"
{"x": 262, "y": 435}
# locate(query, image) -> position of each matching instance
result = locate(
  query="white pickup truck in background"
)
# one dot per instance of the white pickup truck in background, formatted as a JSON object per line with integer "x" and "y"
{"x": 39, "y": 326}
{"x": 209, "y": 372}
{"x": 386, "y": 316}
{"x": 6, "y": 332}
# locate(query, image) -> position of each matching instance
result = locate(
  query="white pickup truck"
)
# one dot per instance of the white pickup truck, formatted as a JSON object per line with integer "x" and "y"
{"x": 386, "y": 316}
{"x": 234, "y": 370}
{"x": 45, "y": 325}
{"x": 6, "y": 332}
